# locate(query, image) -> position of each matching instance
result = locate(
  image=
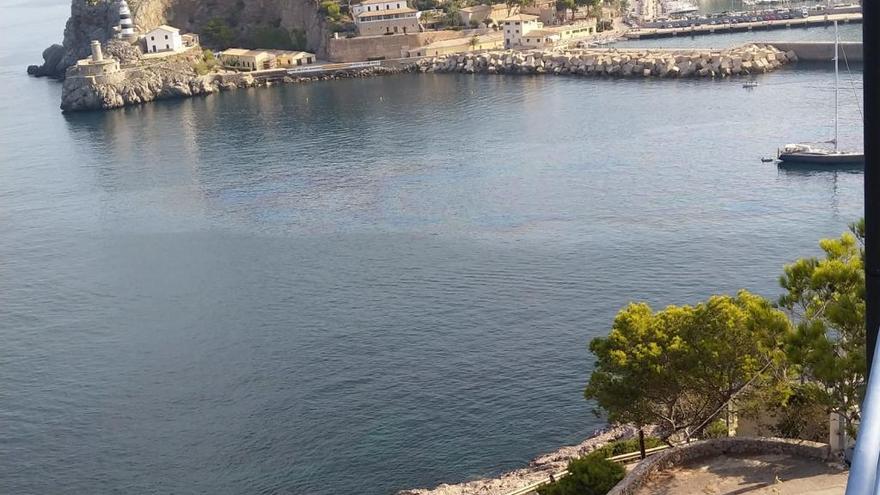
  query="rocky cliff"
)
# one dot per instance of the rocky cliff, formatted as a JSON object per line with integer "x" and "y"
{"x": 244, "y": 22}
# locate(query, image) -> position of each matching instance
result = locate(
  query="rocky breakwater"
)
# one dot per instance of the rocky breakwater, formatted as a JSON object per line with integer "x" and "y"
{"x": 666, "y": 63}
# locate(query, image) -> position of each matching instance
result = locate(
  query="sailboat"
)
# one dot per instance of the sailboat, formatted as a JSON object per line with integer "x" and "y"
{"x": 807, "y": 153}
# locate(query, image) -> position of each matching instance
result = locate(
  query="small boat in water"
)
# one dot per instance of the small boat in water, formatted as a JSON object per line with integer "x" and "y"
{"x": 805, "y": 153}
{"x": 808, "y": 153}
{"x": 750, "y": 84}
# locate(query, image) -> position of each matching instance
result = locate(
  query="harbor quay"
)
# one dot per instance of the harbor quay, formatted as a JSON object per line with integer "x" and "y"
{"x": 761, "y": 25}
{"x": 665, "y": 63}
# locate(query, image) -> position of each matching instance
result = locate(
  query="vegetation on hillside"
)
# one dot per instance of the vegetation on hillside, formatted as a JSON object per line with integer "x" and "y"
{"x": 217, "y": 34}
{"x": 678, "y": 368}
{"x": 826, "y": 298}
{"x": 207, "y": 63}
{"x": 590, "y": 475}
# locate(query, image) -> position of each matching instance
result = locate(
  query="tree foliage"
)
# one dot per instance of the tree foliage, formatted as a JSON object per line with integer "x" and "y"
{"x": 677, "y": 368}
{"x": 626, "y": 446}
{"x": 826, "y": 297}
{"x": 590, "y": 475}
{"x": 565, "y": 5}
{"x": 513, "y": 5}
{"x": 593, "y": 6}
{"x": 330, "y": 10}
{"x": 218, "y": 34}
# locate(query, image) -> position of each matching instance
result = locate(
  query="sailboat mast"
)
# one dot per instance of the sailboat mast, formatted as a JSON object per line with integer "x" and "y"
{"x": 836, "y": 82}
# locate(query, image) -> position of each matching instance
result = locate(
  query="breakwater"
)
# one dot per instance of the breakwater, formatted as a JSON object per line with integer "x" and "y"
{"x": 672, "y": 63}
{"x": 138, "y": 85}
{"x": 823, "y": 51}
{"x": 704, "y": 29}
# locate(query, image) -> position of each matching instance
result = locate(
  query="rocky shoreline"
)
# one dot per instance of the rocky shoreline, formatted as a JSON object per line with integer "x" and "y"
{"x": 537, "y": 470}
{"x": 148, "y": 83}
{"x": 665, "y": 63}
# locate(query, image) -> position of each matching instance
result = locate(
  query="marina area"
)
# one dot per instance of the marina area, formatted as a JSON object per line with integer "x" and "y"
{"x": 746, "y": 24}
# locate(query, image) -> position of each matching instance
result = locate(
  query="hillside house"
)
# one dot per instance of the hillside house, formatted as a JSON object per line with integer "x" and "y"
{"x": 163, "y": 39}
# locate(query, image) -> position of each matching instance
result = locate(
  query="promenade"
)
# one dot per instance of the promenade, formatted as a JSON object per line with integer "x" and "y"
{"x": 703, "y": 29}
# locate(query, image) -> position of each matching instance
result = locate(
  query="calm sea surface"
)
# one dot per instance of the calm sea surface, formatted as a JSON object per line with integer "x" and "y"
{"x": 363, "y": 286}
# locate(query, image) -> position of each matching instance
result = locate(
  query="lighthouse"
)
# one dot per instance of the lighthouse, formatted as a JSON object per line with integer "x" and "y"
{"x": 126, "y": 27}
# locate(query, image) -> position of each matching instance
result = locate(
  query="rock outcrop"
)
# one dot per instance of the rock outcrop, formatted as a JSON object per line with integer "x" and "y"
{"x": 537, "y": 471}
{"x": 168, "y": 79}
{"x": 53, "y": 63}
{"x": 742, "y": 60}
{"x": 246, "y": 22}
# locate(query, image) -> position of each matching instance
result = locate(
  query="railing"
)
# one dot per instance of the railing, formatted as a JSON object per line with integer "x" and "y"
{"x": 622, "y": 458}
{"x": 863, "y": 479}
{"x": 329, "y": 67}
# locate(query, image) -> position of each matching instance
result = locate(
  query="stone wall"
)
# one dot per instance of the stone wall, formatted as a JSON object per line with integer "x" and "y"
{"x": 823, "y": 51}
{"x": 378, "y": 47}
{"x": 743, "y": 60}
{"x": 686, "y": 454}
{"x": 148, "y": 83}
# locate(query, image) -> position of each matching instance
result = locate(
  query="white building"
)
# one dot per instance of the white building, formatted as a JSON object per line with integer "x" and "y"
{"x": 164, "y": 39}
{"x": 376, "y": 6}
{"x": 517, "y": 26}
{"x": 377, "y": 17}
{"x": 540, "y": 38}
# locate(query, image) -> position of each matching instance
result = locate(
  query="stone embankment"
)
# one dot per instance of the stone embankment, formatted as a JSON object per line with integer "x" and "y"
{"x": 668, "y": 63}
{"x": 147, "y": 83}
{"x": 537, "y": 471}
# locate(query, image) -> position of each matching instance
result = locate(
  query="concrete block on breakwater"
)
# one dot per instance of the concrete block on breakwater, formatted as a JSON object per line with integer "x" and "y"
{"x": 665, "y": 63}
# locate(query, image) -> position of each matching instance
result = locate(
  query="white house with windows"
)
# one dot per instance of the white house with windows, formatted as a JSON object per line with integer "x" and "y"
{"x": 376, "y": 6}
{"x": 376, "y": 17}
{"x": 164, "y": 39}
{"x": 517, "y": 27}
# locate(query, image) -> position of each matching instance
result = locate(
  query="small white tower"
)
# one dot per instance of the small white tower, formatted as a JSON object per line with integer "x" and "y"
{"x": 97, "y": 54}
{"x": 126, "y": 27}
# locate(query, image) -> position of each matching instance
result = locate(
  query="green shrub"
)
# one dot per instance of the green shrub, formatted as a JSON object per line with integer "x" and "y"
{"x": 626, "y": 446}
{"x": 218, "y": 34}
{"x": 716, "y": 429}
{"x": 201, "y": 68}
{"x": 330, "y": 10}
{"x": 207, "y": 64}
{"x": 271, "y": 37}
{"x": 590, "y": 475}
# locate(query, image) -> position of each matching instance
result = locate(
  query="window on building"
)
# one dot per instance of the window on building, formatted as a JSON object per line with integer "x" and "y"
{"x": 152, "y": 38}
{"x": 166, "y": 36}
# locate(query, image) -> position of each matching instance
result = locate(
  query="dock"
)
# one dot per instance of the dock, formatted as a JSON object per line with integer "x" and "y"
{"x": 704, "y": 29}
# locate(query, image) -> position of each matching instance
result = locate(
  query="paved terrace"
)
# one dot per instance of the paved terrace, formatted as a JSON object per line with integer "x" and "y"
{"x": 773, "y": 474}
